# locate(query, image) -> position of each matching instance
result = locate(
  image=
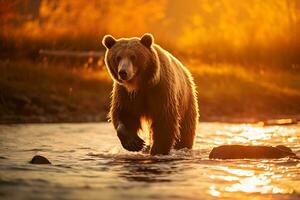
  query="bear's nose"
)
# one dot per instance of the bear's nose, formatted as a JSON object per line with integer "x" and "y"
{"x": 123, "y": 74}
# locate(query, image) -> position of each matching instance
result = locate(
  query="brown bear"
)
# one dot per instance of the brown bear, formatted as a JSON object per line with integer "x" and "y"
{"x": 149, "y": 82}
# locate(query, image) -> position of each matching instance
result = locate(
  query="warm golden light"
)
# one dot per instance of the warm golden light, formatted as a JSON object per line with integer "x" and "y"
{"x": 213, "y": 191}
{"x": 248, "y": 181}
{"x": 243, "y": 28}
{"x": 258, "y": 184}
{"x": 244, "y": 58}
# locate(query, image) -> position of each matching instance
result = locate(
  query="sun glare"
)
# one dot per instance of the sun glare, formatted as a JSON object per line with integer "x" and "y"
{"x": 248, "y": 181}
{"x": 257, "y": 184}
{"x": 253, "y": 135}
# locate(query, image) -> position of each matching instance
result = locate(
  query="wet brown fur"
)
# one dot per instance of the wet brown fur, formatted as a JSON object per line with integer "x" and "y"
{"x": 163, "y": 91}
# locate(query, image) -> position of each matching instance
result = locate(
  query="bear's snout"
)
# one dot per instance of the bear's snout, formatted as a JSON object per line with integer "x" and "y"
{"x": 125, "y": 70}
{"x": 123, "y": 74}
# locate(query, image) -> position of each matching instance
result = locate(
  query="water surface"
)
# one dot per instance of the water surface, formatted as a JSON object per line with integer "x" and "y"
{"x": 88, "y": 162}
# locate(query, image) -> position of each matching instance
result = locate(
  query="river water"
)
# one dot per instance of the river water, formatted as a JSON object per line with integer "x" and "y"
{"x": 88, "y": 162}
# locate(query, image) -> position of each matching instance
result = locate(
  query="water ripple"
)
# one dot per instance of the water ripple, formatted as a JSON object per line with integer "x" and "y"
{"x": 88, "y": 162}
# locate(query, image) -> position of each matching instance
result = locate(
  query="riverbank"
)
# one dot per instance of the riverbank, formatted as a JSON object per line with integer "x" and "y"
{"x": 34, "y": 92}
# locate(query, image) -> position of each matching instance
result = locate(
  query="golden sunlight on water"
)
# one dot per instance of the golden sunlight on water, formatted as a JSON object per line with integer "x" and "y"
{"x": 254, "y": 135}
{"x": 249, "y": 181}
{"x": 260, "y": 184}
{"x": 260, "y": 177}
{"x": 88, "y": 161}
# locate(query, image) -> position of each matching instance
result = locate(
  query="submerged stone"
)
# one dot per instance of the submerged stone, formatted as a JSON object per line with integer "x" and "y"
{"x": 250, "y": 152}
{"x": 39, "y": 160}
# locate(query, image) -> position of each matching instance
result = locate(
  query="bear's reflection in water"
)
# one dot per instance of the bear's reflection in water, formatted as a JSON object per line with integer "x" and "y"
{"x": 148, "y": 170}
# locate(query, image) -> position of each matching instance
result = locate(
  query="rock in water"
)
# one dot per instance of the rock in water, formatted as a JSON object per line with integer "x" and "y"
{"x": 250, "y": 152}
{"x": 39, "y": 160}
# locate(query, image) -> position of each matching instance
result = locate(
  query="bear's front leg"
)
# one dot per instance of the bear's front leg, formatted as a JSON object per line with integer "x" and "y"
{"x": 126, "y": 124}
{"x": 129, "y": 137}
{"x": 164, "y": 132}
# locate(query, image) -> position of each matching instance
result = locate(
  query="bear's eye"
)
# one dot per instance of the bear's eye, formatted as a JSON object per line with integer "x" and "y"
{"x": 118, "y": 58}
{"x": 132, "y": 57}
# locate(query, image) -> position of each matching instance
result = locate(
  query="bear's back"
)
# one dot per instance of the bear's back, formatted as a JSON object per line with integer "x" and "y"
{"x": 176, "y": 76}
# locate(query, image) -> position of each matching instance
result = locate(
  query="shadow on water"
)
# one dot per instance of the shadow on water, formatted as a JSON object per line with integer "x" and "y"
{"x": 148, "y": 170}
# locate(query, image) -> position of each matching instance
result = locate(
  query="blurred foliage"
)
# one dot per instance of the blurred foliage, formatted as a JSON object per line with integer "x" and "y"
{"x": 250, "y": 31}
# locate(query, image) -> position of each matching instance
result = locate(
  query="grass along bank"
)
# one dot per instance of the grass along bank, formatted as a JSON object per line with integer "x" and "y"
{"x": 36, "y": 92}
{"x": 241, "y": 93}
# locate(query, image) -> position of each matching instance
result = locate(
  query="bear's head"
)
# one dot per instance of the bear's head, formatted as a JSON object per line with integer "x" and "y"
{"x": 132, "y": 62}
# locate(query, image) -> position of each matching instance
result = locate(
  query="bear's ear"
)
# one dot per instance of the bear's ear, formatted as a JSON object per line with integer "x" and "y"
{"x": 108, "y": 41}
{"x": 147, "y": 40}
